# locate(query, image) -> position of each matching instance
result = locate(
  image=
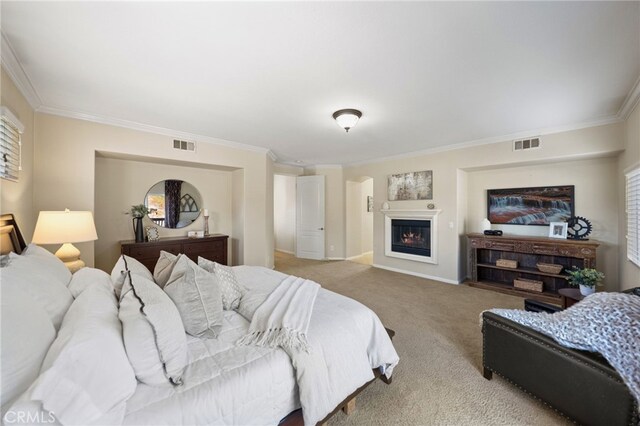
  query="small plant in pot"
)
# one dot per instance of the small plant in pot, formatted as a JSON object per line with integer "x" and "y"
{"x": 586, "y": 278}
{"x": 139, "y": 210}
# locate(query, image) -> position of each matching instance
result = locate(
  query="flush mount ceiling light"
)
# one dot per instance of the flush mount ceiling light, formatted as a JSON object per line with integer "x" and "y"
{"x": 347, "y": 118}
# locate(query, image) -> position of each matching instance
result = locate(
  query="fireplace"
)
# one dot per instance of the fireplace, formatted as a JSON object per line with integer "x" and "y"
{"x": 411, "y": 234}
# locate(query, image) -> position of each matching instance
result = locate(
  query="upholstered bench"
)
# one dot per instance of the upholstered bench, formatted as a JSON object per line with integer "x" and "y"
{"x": 579, "y": 385}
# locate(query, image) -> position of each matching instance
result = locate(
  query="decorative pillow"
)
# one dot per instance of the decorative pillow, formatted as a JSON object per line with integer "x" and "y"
{"x": 229, "y": 287}
{"x": 124, "y": 264}
{"x": 197, "y": 297}
{"x": 49, "y": 262}
{"x": 86, "y": 373}
{"x": 38, "y": 278}
{"x": 86, "y": 278}
{"x": 164, "y": 267}
{"x": 153, "y": 332}
{"x": 27, "y": 333}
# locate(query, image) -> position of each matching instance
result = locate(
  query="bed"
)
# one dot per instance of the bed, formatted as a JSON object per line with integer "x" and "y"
{"x": 223, "y": 382}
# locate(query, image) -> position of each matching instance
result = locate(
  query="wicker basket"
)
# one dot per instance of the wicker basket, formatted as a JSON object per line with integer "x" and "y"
{"x": 550, "y": 268}
{"x": 506, "y": 263}
{"x": 530, "y": 285}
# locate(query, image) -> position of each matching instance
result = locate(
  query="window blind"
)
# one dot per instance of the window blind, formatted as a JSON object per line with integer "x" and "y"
{"x": 633, "y": 215}
{"x": 10, "y": 145}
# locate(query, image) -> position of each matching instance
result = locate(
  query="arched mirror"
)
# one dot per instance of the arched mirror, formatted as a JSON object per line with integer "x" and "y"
{"x": 173, "y": 203}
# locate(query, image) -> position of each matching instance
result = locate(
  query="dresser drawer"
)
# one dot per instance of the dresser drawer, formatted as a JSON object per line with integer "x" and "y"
{"x": 152, "y": 252}
{"x": 200, "y": 248}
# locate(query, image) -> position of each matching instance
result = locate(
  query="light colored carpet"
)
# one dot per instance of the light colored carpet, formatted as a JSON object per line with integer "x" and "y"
{"x": 438, "y": 338}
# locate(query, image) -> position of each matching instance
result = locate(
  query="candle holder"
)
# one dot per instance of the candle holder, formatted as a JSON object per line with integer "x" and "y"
{"x": 206, "y": 226}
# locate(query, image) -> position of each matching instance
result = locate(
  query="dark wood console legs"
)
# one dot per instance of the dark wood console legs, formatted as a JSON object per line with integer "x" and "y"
{"x": 486, "y": 373}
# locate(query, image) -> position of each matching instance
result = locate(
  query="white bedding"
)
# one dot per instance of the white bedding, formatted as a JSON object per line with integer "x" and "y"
{"x": 347, "y": 335}
{"x": 219, "y": 375}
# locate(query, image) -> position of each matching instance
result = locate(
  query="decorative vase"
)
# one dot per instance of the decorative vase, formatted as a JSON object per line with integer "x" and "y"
{"x": 138, "y": 229}
{"x": 585, "y": 291}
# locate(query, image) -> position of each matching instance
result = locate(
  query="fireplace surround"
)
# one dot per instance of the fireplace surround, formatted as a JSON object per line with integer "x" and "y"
{"x": 411, "y": 234}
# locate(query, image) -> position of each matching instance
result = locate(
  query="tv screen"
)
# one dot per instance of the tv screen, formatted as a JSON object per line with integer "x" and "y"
{"x": 530, "y": 206}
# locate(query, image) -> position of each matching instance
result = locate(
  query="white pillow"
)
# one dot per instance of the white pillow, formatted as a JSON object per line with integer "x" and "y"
{"x": 164, "y": 267}
{"x": 37, "y": 278}
{"x": 197, "y": 297}
{"x": 153, "y": 332}
{"x": 124, "y": 264}
{"x": 86, "y": 373}
{"x": 227, "y": 282}
{"x": 27, "y": 333}
{"x": 49, "y": 262}
{"x": 88, "y": 277}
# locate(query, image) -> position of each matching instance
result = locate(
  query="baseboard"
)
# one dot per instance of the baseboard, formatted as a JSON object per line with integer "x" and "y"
{"x": 359, "y": 255}
{"x": 334, "y": 258}
{"x": 416, "y": 274}
{"x": 284, "y": 251}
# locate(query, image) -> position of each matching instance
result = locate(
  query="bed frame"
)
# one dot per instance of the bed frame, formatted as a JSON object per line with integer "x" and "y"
{"x": 10, "y": 236}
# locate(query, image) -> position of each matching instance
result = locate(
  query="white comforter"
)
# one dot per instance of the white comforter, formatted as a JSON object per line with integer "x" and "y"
{"x": 229, "y": 384}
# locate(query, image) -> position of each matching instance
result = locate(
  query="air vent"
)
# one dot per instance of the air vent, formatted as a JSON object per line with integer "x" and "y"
{"x": 184, "y": 145}
{"x": 524, "y": 144}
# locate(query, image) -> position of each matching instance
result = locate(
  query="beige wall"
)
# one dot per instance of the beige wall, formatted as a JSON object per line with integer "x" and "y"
{"x": 122, "y": 183}
{"x": 334, "y": 210}
{"x": 284, "y": 212}
{"x": 595, "y": 200}
{"x": 17, "y": 197}
{"x": 450, "y": 170}
{"x": 65, "y": 173}
{"x": 237, "y": 211}
{"x": 629, "y": 272}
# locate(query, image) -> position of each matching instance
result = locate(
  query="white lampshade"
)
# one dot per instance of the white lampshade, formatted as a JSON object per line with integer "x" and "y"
{"x": 347, "y": 118}
{"x": 64, "y": 227}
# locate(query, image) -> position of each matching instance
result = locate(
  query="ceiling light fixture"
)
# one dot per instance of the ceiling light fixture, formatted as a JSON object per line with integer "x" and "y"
{"x": 347, "y": 118}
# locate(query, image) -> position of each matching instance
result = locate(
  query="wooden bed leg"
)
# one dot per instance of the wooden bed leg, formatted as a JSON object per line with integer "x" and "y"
{"x": 488, "y": 374}
{"x": 349, "y": 407}
{"x": 386, "y": 380}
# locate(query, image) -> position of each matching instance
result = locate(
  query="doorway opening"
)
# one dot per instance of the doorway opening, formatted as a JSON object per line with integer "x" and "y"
{"x": 359, "y": 220}
{"x": 284, "y": 214}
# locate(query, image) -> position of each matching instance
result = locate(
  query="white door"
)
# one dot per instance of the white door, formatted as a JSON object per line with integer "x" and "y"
{"x": 310, "y": 217}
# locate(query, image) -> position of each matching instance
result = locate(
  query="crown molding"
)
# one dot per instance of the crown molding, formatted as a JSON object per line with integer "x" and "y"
{"x": 272, "y": 155}
{"x": 630, "y": 101}
{"x": 491, "y": 140}
{"x": 324, "y": 166}
{"x": 117, "y": 122}
{"x": 12, "y": 66}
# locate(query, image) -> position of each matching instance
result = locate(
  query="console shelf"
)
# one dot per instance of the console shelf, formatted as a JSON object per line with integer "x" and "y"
{"x": 485, "y": 250}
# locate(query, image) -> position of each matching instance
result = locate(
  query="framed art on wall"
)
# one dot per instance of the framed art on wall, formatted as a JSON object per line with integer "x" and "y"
{"x": 411, "y": 186}
{"x": 530, "y": 206}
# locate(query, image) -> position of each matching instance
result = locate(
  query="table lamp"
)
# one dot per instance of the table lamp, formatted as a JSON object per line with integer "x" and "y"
{"x": 65, "y": 228}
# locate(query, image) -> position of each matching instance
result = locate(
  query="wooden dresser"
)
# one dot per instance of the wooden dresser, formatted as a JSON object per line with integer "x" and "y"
{"x": 486, "y": 250}
{"x": 212, "y": 247}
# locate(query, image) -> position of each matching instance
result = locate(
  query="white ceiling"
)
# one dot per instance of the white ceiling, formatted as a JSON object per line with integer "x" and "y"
{"x": 425, "y": 75}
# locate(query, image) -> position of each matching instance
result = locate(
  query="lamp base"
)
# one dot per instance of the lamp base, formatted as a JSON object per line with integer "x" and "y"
{"x": 70, "y": 255}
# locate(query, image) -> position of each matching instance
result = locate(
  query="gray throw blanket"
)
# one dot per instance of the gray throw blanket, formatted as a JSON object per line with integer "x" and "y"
{"x": 607, "y": 323}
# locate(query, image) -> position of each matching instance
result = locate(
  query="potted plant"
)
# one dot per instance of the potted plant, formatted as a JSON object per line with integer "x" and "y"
{"x": 586, "y": 278}
{"x": 138, "y": 212}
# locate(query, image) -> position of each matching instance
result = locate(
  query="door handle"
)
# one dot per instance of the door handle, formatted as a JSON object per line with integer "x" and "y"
{"x": 320, "y": 229}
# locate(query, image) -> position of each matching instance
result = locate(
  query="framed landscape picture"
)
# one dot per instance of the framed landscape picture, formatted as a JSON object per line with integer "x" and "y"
{"x": 411, "y": 186}
{"x": 530, "y": 206}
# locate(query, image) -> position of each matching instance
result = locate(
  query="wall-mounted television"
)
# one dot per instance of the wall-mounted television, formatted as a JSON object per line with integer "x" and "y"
{"x": 530, "y": 206}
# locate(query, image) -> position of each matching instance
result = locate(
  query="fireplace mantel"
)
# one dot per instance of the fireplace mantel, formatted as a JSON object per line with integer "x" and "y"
{"x": 430, "y": 215}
